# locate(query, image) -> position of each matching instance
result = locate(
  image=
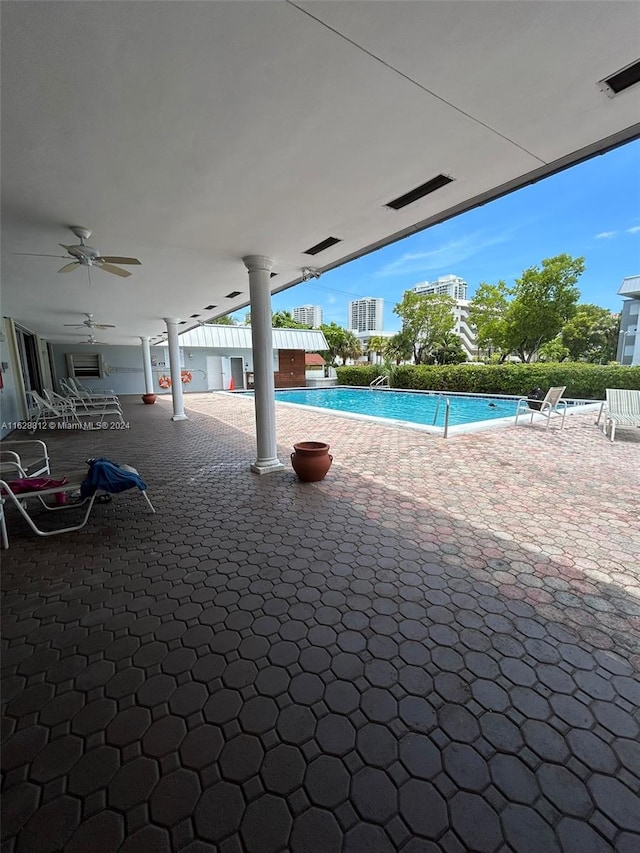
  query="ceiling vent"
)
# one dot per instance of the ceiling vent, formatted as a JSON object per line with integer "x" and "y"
{"x": 233, "y": 294}
{"x": 195, "y": 315}
{"x": 621, "y": 80}
{"x": 273, "y": 275}
{"x": 320, "y": 247}
{"x": 419, "y": 192}
{"x": 210, "y": 307}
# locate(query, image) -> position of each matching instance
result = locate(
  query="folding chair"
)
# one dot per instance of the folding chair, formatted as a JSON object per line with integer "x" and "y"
{"x": 551, "y": 405}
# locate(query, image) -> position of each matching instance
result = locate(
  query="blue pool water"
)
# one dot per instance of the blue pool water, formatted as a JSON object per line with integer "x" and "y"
{"x": 419, "y": 408}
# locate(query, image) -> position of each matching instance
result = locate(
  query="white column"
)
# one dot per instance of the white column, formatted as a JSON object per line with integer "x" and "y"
{"x": 260, "y": 294}
{"x": 146, "y": 365}
{"x": 174, "y": 369}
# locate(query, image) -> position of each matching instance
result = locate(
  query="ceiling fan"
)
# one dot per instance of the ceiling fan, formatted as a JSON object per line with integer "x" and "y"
{"x": 90, "y": 324}
{"x": 87, "y": 256}
{"x": 92, "y": 340}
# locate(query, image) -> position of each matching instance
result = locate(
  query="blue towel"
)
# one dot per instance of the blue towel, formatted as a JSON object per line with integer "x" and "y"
{"x": 109, "y": 477}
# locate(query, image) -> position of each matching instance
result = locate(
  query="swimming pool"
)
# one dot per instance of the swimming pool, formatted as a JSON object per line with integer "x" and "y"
{"x": 423, "y": 408}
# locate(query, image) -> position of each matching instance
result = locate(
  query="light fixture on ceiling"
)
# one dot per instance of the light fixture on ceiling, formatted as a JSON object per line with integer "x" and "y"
{"x": 419, "y": 192}
{"x": 621, "y": 80}
{"x": 308, "y": 274}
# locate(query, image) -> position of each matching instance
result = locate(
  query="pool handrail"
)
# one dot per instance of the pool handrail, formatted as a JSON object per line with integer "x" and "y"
{"x": 381, "y": 381}
{"x": 447, "y": 404}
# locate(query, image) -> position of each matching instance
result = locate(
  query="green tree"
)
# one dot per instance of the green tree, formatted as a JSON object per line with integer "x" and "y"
{"x": 399, "y": 348}
{"x": 335, "y": 337}
{"x": 376, "y": 346}
{"x": 425, "y": 320}
{"x": 349, "y": 347}
{"x": 449, "y": 350}
{"x": 591, "y": 335}
{"x": 544, "y": 301}
{"x": 227, "y": 320}
{"x": 488, "y": 315}
{"x": 554, "y": 350}
{"x": 284, "y": 320}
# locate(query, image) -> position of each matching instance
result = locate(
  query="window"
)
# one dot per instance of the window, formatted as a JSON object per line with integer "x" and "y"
{"x": 85, "y": 365}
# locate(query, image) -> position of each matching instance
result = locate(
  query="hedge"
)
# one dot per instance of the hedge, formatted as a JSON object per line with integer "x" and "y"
{"x": 583, "y": 381}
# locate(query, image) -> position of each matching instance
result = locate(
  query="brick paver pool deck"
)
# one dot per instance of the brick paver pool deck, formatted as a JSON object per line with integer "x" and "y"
{"x": 437, "y": 648}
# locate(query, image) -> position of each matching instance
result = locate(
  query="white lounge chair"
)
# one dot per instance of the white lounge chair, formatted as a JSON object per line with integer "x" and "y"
{"x": 551, "y": 405}
{"x": 12, "y": 475}
{"x": 86, "y": 398}
{"x": 621, "y": 410}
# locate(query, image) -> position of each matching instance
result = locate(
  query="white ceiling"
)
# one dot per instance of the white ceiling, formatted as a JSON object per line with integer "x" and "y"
{"x": 189, "y": 134}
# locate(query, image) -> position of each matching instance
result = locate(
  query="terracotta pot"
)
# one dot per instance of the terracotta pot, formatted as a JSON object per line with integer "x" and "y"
{"x": 311, "y": 460}
{"x": 148, "y": 399}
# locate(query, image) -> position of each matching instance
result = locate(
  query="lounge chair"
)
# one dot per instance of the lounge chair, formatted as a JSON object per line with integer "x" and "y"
{"x": 621, "y": 410}
{"x": 102, "y": 475}
{"x": 551, "y": 405}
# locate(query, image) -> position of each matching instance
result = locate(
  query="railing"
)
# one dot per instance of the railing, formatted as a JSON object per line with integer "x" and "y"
{"x": 447, "y": 406}
{"x": 380, "y": 382}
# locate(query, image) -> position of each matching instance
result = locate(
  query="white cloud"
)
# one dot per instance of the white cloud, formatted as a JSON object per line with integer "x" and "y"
{"x": 633, "y": 230}
{"x": 443, "y": 258}
{"x": 606, "y": 235}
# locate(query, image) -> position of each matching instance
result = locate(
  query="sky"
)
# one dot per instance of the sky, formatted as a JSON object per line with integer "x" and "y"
{"x": 591, "y": 210}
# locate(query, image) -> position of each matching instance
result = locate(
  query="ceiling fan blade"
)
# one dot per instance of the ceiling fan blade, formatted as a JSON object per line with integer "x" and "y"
{"x": 69, "y": 267}
{"x": 38, "y": 255}
{"x": 66, "y": 247}
{"x": 102, "y": 326}
{"x": 112, "y": 269}
{"x": 114, "y": 259}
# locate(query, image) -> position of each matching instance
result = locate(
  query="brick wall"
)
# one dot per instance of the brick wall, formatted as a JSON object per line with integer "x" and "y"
{"x": 292, "y": 369}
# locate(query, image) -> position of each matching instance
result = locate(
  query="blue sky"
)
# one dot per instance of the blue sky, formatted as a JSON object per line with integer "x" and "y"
{"x": 591, "y": 210}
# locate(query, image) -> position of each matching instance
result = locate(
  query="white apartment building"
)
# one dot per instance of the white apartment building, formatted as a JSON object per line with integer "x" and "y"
{"x": 456, "y": 287}
{"x": 310, "y": 315}
{"x": 365, "y": 315}
{"x": 447, "y": 285}
{"x": 629, "y": 340}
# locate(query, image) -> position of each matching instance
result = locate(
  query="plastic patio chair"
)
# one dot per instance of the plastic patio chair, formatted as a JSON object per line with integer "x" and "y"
{"x": 551, "y": 405}
{"x": 621, "y": 410}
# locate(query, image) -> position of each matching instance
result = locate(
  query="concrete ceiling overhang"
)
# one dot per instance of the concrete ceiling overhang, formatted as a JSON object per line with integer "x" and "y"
{"x": 190, "y": 134}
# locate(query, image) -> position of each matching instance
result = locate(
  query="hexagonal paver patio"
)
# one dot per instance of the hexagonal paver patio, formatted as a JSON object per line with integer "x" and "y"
{"x": 437, "y": 648}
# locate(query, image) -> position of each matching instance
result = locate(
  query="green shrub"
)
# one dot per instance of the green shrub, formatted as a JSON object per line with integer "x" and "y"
{"x": 358, "y": 374}
{"x": 583, "y": 381}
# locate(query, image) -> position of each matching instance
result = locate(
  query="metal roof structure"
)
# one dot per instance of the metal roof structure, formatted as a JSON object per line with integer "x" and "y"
{"x": 630, "y": 286}
{"x": 239, "y": 337}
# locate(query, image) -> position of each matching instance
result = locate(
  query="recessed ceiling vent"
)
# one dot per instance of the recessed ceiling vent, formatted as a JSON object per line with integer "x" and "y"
{"x": 320, "y": 247}
{"x": 621, "y": 80}
{"x": 233, "y": 294}
{"x": 419, "y": 192}
{"x": 210, "y": 307}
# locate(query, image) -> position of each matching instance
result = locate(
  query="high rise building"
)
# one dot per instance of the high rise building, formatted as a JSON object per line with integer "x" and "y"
{"x": 446, "y": 285}
{"x": 456, "y": 287}
{"x": 310, "y": 315}
{"x": 629, "y": 339}
{"x": 365, "y": 315}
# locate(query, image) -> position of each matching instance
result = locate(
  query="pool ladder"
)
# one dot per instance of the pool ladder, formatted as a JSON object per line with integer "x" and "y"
{"x": 380, "y": 382}
{"x": 446, "y": 413}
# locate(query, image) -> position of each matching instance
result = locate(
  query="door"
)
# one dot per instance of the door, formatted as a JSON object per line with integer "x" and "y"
{"x": 237, "y": 372}
{"x": 214, "y": 373}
